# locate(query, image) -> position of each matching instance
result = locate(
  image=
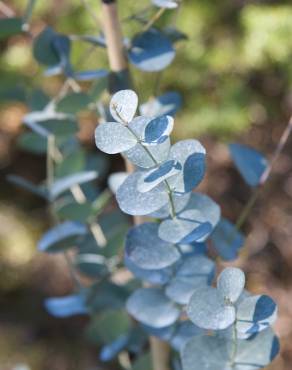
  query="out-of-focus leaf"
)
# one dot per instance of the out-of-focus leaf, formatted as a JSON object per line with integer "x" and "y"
{"x": 65, "y": 183}
{"x": 43, "y": 49}
{"x": 250, "y": 163}
{"x": 151, "y": 51}
{"x": 62, "y": 237}
{"x": 27, "y": 185}
{"x": 73, "y": 102}
{"x": 166, "y": 104}
{"x": 10, "y": 26}
{"x": 227, "y": 239}
{"x": 66, "y": 306}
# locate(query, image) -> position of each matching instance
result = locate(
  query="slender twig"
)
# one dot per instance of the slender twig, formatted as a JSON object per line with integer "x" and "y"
{"x": 89, "y": 9}
{"x": 153, "y": 19}
{"x": 234, "y": 343}
{"x": 280, "y": 147}
{"x": 72, "y": 271}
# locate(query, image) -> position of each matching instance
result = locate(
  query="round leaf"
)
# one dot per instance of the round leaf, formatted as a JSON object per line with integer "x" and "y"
{"x": 255, "y": 314}
{"x": 191, "y": 155}
{"x": 158, "y": 130}
{"x": 135, "y": 203}
{"x": 194, "y": 223}
{"x": 146, "y": 250}
{"x": 151, "y": 51}
{"x": 230, "y": 284}
{"x": 207, "y": 310}
{"x": 140, "y": 156}
{"x": 194, "y": 272}
{"x": 152, "y": 178}
{"x": 123, "y": 105}
{"x": 151, "y": 307}
{"x": 114, "y": 137}
{"x": 154, "y": 276}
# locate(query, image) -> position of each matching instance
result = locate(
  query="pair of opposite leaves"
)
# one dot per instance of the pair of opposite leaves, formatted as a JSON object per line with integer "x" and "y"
{"x": 145, "y": 142}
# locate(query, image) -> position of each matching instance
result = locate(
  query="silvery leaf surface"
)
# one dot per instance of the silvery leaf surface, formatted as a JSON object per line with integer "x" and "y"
{"x": 116, "y": 179}
{"x": 146, "y": 250}
{"x": 207, "y": 310}
{"x": 191, "y": 155}
{"x": 151, "y": 307}
{"x": 123, "y": 106}
{"x": 255, "y": 313}
{"x": 230, "y": 283}
{"x": 114, "y": 137}
{"x": 158, "y": 130}
{"x": 135, "y": 203}
{"x": 151, "y": 155}
{"x": 180, "y": 201}
{"x": 154, "y": 177}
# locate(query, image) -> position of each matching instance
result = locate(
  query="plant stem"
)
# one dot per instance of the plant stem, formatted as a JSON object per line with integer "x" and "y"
{"x": 118, "y": 64}
{"x": 152, "y": 20}
{"x": 234, "y": 345}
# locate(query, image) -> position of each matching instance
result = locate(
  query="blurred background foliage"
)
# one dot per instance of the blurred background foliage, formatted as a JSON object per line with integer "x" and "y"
{"x": 234, "y": 64}
{"x": 234, "y": 72}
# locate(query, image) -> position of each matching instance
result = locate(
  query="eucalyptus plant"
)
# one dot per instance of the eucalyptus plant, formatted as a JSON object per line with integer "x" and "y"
{"x": 168, "y": 252}
{"x": 172, "y": 297}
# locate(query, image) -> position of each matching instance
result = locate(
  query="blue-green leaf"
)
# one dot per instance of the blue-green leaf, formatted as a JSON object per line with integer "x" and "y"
{"x": 140, "y": 156}
{"x": 151, "y": 51}
{"x": 191, "y": 155}
{"x": 146, "y": 250}
{"x": 10, "y": 26}
{"x": 65, "y": 183}
{"x": 227, "y": 240}
{"x": 61, "y": 237}
{"x": 150, "y": 179}
{"x": 255, "y": 313}
{"x": 166, "y": 104}
{"x": 230, "y": 283}
{"x": 135, "y": 203}
{"x": 114, "y": 137}
{"x": 194, "y": 223}
{"x": 123, "y": 105}
{"x": 207, "y": 310}
{"x": 250, "y": 163}
{"x": 151, "y": 307}
{"x": 66, "y": 306}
